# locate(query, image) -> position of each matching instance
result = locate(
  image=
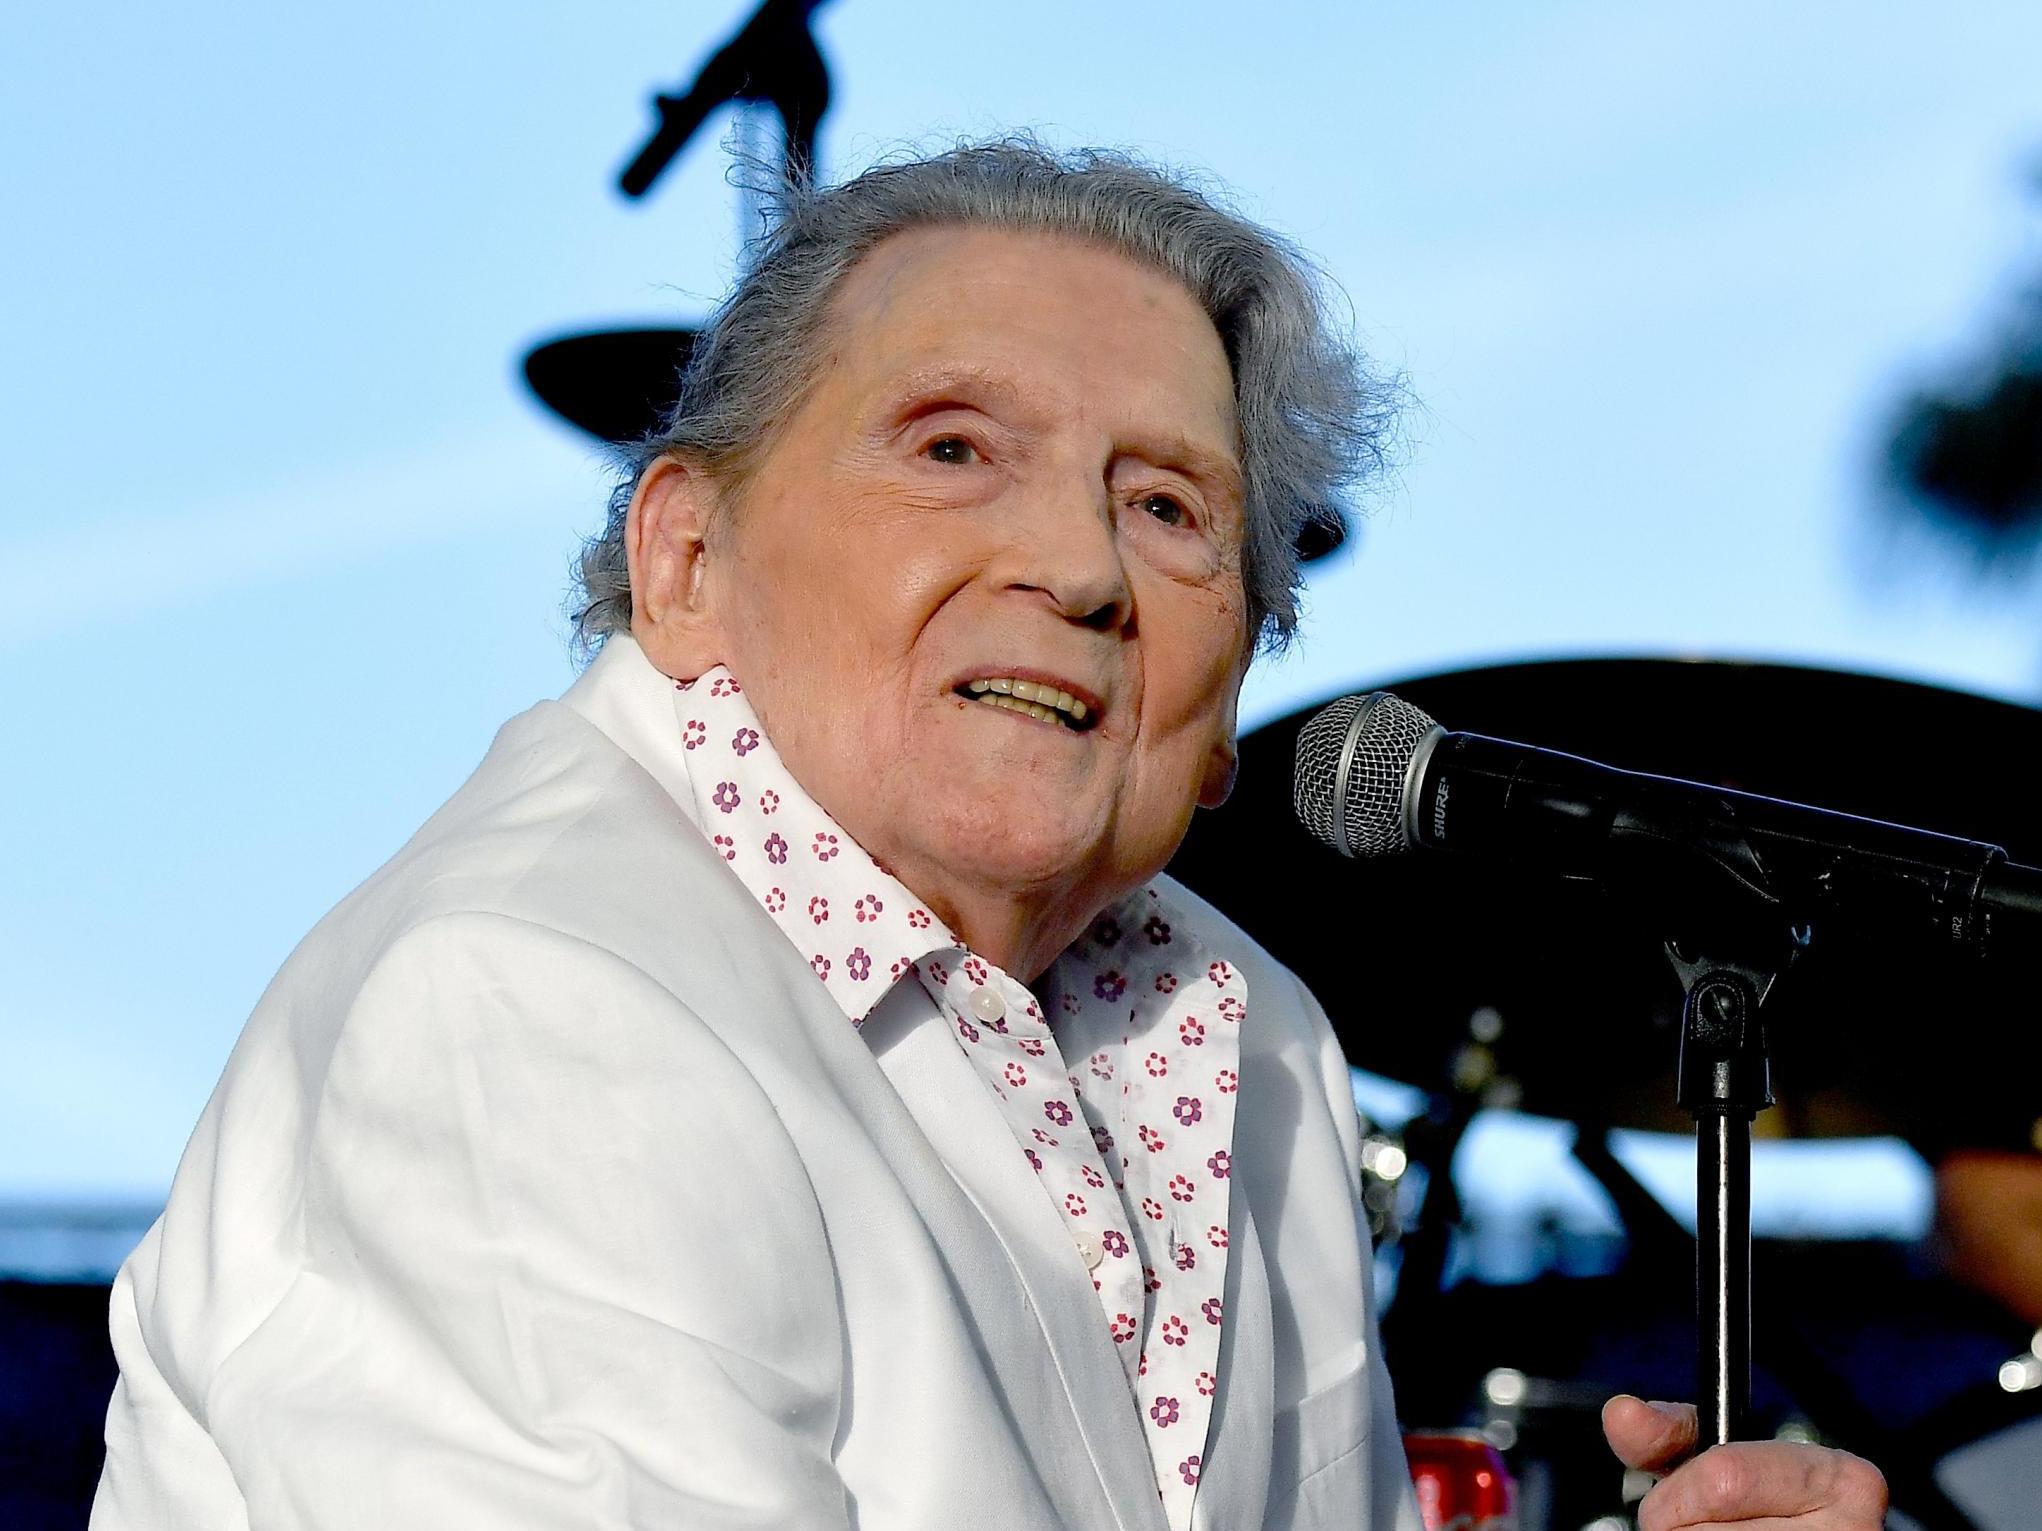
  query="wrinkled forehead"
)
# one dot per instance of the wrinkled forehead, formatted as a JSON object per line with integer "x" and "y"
{"x": 1068, "y": 324}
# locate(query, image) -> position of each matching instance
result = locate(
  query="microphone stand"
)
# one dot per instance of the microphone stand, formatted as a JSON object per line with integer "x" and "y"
{"x": 1724, "y": 1082}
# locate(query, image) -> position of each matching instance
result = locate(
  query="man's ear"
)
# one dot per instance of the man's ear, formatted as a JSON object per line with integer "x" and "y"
{"x": 1221, "y": 767}
{"x": 673, "y": 614}
{"x": 1223, "y": 764}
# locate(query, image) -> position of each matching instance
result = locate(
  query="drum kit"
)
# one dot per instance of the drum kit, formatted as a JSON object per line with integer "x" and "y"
{"x": 1491, "y": 988}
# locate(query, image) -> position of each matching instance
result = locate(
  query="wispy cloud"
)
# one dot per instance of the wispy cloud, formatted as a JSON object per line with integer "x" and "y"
{"x": 133, "y": 561}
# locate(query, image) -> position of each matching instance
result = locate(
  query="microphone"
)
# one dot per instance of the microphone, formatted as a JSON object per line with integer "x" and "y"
{"x": 1376, "y": 776}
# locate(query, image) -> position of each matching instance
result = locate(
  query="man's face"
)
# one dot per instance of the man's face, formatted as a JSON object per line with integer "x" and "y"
{"x": 1019, "y": 464}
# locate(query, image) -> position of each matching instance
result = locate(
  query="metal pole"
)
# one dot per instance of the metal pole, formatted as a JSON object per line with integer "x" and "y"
{"x": 1725, "y": 1081}
{"x": 1723, "y": 1276}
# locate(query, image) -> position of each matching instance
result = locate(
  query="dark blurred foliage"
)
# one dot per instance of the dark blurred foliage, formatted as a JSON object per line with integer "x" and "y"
{"x": 1967, "y": 455}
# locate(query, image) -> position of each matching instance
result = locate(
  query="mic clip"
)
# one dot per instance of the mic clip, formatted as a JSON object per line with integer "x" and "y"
{"x": 1725, "y": 1080}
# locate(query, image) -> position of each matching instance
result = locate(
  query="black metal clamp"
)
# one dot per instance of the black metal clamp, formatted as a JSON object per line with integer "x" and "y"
{"x": 1725, "y": 1081}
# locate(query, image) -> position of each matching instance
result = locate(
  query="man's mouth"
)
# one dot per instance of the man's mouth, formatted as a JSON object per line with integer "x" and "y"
{"x": 1034, "y": 699}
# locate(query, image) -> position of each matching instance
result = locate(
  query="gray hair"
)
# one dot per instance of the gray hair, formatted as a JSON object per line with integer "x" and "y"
{"x": 1313, "y": 422}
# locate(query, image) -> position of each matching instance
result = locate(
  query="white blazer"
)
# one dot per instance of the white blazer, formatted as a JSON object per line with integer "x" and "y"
{"x": 546, "y": 1187}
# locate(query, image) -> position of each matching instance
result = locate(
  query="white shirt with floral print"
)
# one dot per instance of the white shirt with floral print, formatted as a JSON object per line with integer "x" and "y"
{"x": 1117, "y": 1076}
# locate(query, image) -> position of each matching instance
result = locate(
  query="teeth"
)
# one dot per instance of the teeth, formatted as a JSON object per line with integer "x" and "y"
{"x": 1031, "y": 709}
{"x": 1035, "y": 698}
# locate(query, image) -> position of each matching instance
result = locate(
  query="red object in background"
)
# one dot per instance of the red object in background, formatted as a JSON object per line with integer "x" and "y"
{"x": 1461, "y": 1480}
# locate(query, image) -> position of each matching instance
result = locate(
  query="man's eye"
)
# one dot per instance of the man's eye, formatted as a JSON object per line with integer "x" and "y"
{"x": 1166, "y": 509}
{"x": 951, "y": 449}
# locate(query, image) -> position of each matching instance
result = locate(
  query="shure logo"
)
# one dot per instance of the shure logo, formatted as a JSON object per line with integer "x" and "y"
{"x": 1439, "y": 813}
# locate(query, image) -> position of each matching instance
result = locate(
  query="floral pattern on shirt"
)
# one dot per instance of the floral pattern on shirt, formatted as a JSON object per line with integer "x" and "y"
{"x": 1123, "y": 1072}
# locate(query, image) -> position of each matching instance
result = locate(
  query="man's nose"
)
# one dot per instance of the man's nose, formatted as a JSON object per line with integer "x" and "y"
{"x": 1066, "y": 546}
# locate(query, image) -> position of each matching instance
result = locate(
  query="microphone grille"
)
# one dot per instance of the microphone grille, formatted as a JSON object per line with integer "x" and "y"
{"x": 1352, "y": 762}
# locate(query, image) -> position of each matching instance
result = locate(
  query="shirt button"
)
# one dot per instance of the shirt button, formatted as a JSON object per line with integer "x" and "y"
{"x": 987, "y": 1005}
{"x": 1090, "y": 1250}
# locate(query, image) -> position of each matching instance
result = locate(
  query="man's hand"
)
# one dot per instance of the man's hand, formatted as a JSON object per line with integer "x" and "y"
{"x": 1777, "y": 1484}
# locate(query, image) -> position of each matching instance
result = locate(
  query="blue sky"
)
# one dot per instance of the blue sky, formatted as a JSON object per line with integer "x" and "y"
{"x": 282, "y": 540}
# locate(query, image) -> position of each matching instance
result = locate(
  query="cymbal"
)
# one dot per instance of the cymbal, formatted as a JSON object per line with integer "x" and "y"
{"x": 618, "y": 385}
{"x": 1403, "y": 951}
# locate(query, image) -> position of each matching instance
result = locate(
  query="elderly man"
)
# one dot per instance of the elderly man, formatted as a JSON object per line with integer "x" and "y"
{"x": 779, "y": 1090}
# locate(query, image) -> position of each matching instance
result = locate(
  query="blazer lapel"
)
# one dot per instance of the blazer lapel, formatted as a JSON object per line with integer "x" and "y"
{"x": 1233, "y": 1485}
{"x": 951, "y": 1105}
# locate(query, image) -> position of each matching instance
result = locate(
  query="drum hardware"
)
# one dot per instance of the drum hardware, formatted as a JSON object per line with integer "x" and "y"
{"x": 1592, "y": 1012}
{"x": 772, "y": 60}
{"x": 619, "y": 385}
{"x": 1545, "y": 1426}
{"x": 1595, "y": 1023}
{"x": 2023, "y": 1373}
{"x": 1384, "y": 1161}
{"x": 1461, "y": 1481}
{"x": 1433, "y": 1210}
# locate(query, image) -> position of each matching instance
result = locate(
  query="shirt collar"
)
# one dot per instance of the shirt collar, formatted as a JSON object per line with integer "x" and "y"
{"x": 859, "y": 927}
{"x": 731, "y": 782}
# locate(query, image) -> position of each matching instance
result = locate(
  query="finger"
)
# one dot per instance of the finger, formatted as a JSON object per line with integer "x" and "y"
{"x": 1761, "y": 1480}
{"x": 1649, "y": 1436}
